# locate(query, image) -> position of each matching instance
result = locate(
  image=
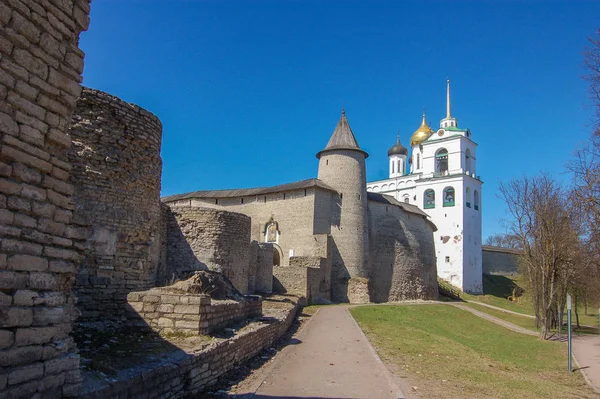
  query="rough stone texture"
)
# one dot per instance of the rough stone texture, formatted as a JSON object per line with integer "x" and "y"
{"x": 201, "y": 239}
{"x": 116, "y": 176}
{"x": 500, "y": 261}
{"x": 263, "y": 271}
{"x": 191, "y": 373}
{"x": 40, "y": 72}
{"x": 344, "y": 170}
{"x": 298, "y": 213}
{"x": 308, "y": 276}
{"x": 402, "y": 261}
{"x": 168, "y": 311}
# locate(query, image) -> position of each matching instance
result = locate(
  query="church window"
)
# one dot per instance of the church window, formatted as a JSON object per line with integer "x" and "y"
{"x": 441, "y": 162}
{"x": 429, "y": 199}
{"x": 447, "y": 259}
{"x": 468, "y": 197}
{"x": 449, "y": 196}
{"x": 476, "y": 200}
{"x": 393, "y": 167}
{"x": 418, "y": 161}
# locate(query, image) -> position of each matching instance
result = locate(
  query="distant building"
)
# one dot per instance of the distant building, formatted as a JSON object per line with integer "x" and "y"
{"x": 332, "y": 240}
{"x": 442, "y": 180}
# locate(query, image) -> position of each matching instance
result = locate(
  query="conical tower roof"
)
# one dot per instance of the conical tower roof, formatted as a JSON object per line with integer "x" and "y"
{"x": 342, "y": 138}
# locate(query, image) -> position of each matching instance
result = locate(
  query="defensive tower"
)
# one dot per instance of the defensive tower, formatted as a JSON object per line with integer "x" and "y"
{"x": 342, "y": 166}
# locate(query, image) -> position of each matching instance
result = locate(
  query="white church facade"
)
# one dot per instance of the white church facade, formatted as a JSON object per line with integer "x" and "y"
{"x": 440, "y": 177}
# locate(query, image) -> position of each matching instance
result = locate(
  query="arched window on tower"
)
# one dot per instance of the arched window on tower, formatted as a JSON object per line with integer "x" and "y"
{"x": 441, "y": 162}
{"x": 449, "y": 196}
{"x": 406, "y": 199}
{"x": 429, "y": 199}
{"x": 476, "y": 199}
{"x": 468, "y": 161}
{"x": 468, "y": 197}
{"x": 400, "y": 170}
{"x": 418, "y": 161}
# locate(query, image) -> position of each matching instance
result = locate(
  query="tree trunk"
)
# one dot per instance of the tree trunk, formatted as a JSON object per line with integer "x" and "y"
{"x": 576, "y": 312}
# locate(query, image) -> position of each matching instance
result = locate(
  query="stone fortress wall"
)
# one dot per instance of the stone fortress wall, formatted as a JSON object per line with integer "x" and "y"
{"x": 116, "y": 174}
{"x": 40, "y": 72}
{"x": 299, "y": 214}
{"x": 203, "y": 238}
{"x": 402, "y": 260}
{"x": 500, "y": 261}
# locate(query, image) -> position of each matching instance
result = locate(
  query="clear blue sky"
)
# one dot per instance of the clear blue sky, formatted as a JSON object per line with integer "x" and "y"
{"x": 249, "y": 91}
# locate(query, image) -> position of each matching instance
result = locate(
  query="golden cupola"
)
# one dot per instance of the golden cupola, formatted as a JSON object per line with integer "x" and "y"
{"x": 421, "y": 134}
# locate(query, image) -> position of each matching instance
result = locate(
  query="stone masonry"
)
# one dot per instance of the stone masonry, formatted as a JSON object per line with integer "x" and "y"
{"x": 201, "y": 239}
{"x": 167, "y": 311}
{"x": 40, "y": 72}
{"x": 116, "y": 173}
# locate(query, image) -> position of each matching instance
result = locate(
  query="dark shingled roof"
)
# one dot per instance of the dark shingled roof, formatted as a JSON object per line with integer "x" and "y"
{"x": 386, "y": 199}
{"x": 247, "y": 192}
{"x": 342, "y": 138}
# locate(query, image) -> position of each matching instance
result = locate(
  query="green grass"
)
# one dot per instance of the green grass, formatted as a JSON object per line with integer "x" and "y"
{"x": 497, "y": 289}
{"x": 450, "y": 353}
{"x": 526, "y": 322}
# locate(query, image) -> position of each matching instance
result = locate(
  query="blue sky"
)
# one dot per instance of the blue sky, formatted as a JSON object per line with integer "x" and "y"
{"x": 249, "y": 91}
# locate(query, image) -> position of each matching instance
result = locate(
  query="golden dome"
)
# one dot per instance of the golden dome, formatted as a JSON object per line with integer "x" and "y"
{"x": 421, "y": 134}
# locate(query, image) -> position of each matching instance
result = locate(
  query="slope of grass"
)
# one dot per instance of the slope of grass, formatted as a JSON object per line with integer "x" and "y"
{"x": 497, "y": 289}
{"x": 527, "y": 322}
{"x": 450, "y": 353}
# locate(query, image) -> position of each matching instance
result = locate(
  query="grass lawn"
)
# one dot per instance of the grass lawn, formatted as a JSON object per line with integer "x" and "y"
{"x": 449, "y": 353}
{"x": 498, "y": 288}
{"x": 526, "y": 322}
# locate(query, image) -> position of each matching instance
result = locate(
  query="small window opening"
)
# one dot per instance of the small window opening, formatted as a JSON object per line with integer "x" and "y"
{"x": 305, "y": 192}
{"x": 327, "y": 162}
{"x": 216, "y": 201}
{"x": 242, "y": 200}
{"x": 265, "y": 198}
{"x": 283, "y": 195}
{"x": 447, "y": 259}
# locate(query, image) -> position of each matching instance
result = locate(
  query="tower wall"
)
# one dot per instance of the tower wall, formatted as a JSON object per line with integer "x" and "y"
{"x": 40, "y": 72}
{"x": 344, "y": 170}
{"x": 116, "y": 173}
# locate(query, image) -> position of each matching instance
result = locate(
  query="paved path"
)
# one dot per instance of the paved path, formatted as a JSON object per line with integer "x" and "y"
{"x": 330, "y": 358}
{"x": 586, "y": 349}
{"x": 502, "y": 309}
{"x": 496, "y": 320}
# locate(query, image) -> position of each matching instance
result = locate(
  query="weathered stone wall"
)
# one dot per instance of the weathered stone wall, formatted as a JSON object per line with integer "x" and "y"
{"x": 116, "y": 173}
{"x": 344, "y": 170}
{"x": 402, "y": 262}
{"x": 40, "y": 72}
{"x": 500, "y": 261}
{"x": 194, "y": 372}
{"x": 298, "y": 213}
{"x": 308, "y": 276}
{"x": 263, "y": 269}
{"x": 208, "y": 239}
{"x": 166, "y": 311}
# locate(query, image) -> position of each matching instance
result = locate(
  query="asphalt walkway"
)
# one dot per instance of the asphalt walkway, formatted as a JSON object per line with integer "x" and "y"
{"x": 586, "y": 349}
{"x": 329, "y": 358}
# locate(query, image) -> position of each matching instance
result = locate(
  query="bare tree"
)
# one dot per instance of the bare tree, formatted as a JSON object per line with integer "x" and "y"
{"x": 504, "y": 241}
{"x": 592, "y": 64}
{"x": 543, "y": 223}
